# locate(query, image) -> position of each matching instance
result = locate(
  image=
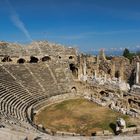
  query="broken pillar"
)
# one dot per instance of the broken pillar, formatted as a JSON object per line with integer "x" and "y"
{"x": 113, "y": 70}
{"x": 137, "y": 72}
{"x": 121, "y": 72}
{"x": 95, "y": 74}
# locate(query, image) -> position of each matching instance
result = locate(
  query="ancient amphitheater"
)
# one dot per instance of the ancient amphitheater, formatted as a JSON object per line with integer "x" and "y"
{"x": 43, "y": 73}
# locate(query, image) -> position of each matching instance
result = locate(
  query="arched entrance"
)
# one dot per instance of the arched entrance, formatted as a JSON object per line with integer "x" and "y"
{"x": 73, "y": 90}
{"x": 117, "y": 74}
{"x": 74, "y": 70}
{"x": 21, "y": 61}
{"x": 6, "y": 59}
{"x": 33, "y": 59}
{"x": 46, "y": 58}
{"x": 71, "y": 57}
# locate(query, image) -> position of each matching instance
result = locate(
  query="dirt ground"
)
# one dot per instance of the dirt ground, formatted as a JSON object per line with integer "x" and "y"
{"x": 80, "y": 116}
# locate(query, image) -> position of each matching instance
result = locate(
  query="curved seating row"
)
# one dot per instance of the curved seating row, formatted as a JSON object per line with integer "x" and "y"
{"x": 22, "y": 85}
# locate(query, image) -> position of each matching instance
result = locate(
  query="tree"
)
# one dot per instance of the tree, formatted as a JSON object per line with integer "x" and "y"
{"x": 126, "y": 53}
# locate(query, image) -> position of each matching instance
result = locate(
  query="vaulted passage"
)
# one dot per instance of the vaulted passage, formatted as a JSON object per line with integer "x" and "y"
{"x": 33, "y": 59}
{"x": 46, "y": 58}
{"x": 73, "y": 90}
{"x": 21, "y": 61}
{"x": 117, "y": 74}
{"x": 70, "y": 57}
{"x": 103, "y": 93}
{"x": 74, "y": 70}
{"x": 6, "y": 59}
{"x": 109, "y": 71}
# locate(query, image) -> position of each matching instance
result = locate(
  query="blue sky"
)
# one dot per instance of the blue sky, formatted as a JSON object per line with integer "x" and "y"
{"x": 85, "y": 24}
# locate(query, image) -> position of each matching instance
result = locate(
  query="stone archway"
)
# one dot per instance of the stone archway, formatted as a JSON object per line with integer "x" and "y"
{"x": 109, "y": 71}
{"x": 74, "y": 70}
{"x": 74, "y": 90}
{"x": 6, "y": 59}
{"x": 71, "y": 57}
{"x": 21, "y": 60}
{"x": 46, "y": 58}
{"x": 117, "y": 74}
{"x": 33, "y": 59}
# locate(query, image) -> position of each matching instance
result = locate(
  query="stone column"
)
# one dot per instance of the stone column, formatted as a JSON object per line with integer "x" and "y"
{"x": 105, "y": 78}
{"x": 95, "y": 74}
{"x": 113, "y": 70}
{"x": 80, "y": 69}
{"x": 137, "y": 72}
{"x": 84, "y": 70}
{"x": 102, "y": 55}
{"x": 85, "y": 67}
{"x": 97, "y": 59}
{"x": 80, "y": 72}
{"x": 121, "y": 71}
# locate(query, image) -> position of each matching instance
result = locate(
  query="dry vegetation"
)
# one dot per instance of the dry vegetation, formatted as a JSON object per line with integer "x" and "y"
{"x": 80, "y": 116}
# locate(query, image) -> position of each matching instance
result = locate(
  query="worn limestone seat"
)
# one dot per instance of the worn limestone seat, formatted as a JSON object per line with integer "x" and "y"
{"x": 25, "y": 85}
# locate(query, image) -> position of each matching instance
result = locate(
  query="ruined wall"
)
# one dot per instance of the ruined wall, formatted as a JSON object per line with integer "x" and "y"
{"x": 37, "y": 48}
{"x": 84, "y": 66}
{"x": 118, "y": 67}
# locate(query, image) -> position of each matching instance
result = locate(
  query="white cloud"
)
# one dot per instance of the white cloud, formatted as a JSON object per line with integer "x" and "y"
{"x": 17, "y": 21}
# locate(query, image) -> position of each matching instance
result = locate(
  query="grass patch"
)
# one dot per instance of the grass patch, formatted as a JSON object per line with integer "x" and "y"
{"x": 79, "y": 115}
